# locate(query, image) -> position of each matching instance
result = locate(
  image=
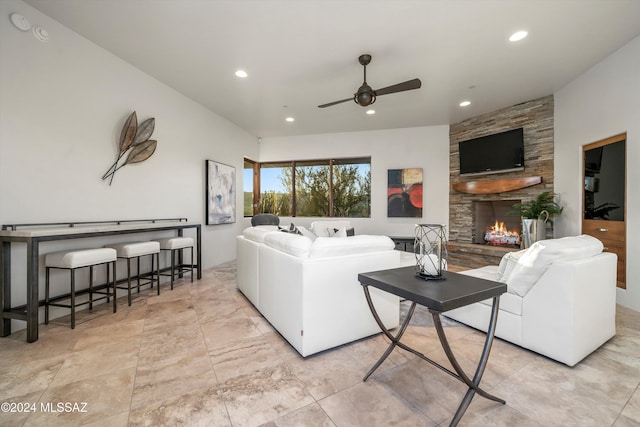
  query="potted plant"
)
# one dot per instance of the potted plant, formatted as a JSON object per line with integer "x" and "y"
{"x": 535, "y": 214}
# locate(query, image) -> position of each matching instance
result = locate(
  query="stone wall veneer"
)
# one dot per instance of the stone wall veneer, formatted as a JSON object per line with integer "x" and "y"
{"x": 536, "y": 119}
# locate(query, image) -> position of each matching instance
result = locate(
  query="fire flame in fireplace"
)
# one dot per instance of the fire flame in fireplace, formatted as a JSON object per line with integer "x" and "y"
{"x": 499, "y": 235}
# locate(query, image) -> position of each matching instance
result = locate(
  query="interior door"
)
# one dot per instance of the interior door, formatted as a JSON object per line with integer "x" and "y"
{"x": 604, "y": 197}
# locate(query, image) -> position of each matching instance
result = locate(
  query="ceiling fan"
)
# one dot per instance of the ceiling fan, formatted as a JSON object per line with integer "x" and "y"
{"x": 366, "y": 96}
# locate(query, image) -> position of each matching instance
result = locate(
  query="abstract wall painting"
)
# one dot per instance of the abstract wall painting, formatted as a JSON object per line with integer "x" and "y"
{"x": 404, "y": 193}
{"x": 221, "y": 193}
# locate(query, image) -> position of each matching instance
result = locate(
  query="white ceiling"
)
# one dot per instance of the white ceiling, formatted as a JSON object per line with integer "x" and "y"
{"x": 302, "y": 53}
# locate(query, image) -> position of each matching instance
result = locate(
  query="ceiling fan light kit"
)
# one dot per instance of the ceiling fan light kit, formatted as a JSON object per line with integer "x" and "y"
{"x": 366, "y": 96}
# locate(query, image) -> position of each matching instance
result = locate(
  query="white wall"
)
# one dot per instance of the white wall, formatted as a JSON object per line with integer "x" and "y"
{"x": 62, "y": 106}
{"x": 421, "y": 147}
{"x": 602, "y": 102}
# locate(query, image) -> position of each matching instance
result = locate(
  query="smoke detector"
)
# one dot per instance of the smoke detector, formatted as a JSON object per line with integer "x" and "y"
{"x": 20, "y": 22}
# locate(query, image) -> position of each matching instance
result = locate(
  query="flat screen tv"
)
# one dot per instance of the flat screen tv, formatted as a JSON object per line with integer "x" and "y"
{"x": 501, "y": 152}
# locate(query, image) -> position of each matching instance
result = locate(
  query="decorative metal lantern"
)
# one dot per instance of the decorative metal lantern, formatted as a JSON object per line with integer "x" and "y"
{"x": 430, "y": 249}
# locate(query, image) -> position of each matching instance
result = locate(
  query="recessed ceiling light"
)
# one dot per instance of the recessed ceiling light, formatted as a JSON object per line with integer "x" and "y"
{"x": 371, "y": 112}
{"x": 290, "y": 119}
{"x": 465, "y": 103}
{"x": 241, "y": 73}
{"x": 518, "y": 35}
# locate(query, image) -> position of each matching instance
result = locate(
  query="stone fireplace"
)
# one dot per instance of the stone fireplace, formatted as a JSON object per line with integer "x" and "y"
{"x": 493, "y": 225}
{"x": 473, "y": 214}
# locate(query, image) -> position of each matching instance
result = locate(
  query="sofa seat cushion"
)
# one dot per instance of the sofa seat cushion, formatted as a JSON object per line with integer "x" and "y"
{"x": 289, "y": 243}
{"x": 508, "y": 301}
{"x": 533, "y": 263}
{"x": 321, "y": 228}
{"x": 488, "y": 272}
{"x": 330, "y": 247}
{"x": 258, "y": 232}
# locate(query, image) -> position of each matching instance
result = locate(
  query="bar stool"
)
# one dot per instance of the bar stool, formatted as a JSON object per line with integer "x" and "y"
{"x": 137, "y": 250}
{"x": 72, "y": 261}
{"x": 176, "y": 245}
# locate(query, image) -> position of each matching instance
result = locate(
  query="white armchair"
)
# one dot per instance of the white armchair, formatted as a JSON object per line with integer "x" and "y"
{"x": 561, "y": 299}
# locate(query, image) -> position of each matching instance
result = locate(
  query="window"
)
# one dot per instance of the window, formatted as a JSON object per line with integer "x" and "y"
{"x": 275, "y": 189}
{"x": 312, "y": 188}
{"x": 322, "y": 188}
{"x": 248, "y": 186}
{"x": 352, "y": 188}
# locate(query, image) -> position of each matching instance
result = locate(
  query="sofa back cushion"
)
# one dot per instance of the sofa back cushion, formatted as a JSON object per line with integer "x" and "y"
{"x": 258, "y": 232}
{"x": 533, "y": 262}
{"x": 290, "y": 243}
{"x": 330, "y": 247}
{"x": 507, "y": 263}
{"x": 321, "y": 228}
{"x": 307, "y": 233}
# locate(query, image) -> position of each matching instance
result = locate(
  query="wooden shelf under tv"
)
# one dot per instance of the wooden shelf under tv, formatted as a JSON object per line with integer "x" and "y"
{"x": 499, "y": 185}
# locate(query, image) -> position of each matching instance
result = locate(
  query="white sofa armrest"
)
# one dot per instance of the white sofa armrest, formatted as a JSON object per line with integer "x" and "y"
{"x": 570, "y": 311}
{"x": 247, "y": 268}
{"x": 318, "y": 303}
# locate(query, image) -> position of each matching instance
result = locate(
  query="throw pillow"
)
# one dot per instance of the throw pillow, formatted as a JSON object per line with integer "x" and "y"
{"x": 337, "y": 232}
{"x": 307, "y": 233}
{"x": 292, "y": 229}
{"x": 350, "y": 232}
{"x": 507, "y": 263}
{"x": 320, "y": 228}
{"x": 537, "y": 259}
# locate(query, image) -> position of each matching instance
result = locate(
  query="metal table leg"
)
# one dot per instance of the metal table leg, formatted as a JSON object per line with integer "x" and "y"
{"x": 394, "y": 340}
{"x": 474, "y": 386}
{"x": 32, "y": 290}
{"x": 5, "y": 287}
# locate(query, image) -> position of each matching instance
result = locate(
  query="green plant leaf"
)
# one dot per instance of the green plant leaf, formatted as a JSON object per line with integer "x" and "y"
{"x": 538, "y": 208}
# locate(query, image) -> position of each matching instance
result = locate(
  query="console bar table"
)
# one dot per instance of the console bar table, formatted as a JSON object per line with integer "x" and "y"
{"x": 456, "y": 290}
{"x": 33, "y": 234}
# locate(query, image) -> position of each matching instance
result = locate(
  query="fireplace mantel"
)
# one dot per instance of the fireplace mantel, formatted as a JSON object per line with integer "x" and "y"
{"x": 500, "y": 185}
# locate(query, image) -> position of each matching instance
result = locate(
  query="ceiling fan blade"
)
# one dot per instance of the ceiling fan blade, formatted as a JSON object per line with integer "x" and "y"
{"x": 400, "y": 87}
{"x": 335, "y": 102}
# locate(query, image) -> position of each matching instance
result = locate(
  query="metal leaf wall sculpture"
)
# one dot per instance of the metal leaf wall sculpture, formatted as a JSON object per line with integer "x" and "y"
{"x": 135, "y": 140}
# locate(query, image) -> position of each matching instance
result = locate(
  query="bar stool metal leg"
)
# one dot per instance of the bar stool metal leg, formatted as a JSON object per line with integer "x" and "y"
{"x": 157, "y": 258}
{"x": 115, "y": 290}
{"x": 129, "y": 281}
{"x": 46, "y": 297}
{"x": 191, "y": 264}
{"x": 173, "y": 263}
{"x": 138, "y": 274}
{"x": 73, "y": 298}
{"x": 91, "y": 287}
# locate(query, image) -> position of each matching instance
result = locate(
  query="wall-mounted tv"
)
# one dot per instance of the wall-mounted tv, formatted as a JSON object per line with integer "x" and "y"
{"x": 501, "y": 152}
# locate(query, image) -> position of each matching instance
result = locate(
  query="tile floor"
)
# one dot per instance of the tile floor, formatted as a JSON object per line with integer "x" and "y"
{"x": 201, "y": 355}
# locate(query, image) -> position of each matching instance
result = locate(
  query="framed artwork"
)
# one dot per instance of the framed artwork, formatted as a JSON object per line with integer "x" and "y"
{"x": 221, "y": 193}
{"x": 404, "y": 193}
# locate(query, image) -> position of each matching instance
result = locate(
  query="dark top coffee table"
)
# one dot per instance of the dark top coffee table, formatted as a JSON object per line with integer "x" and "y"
{"x": 455, "y": 290}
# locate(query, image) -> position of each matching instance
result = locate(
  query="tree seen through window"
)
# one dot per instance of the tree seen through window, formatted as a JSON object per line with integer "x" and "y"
{"x": 322, "y": 188}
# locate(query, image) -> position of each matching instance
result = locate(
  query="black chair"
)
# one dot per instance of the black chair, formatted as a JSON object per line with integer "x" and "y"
{"x": 265, "y": 219}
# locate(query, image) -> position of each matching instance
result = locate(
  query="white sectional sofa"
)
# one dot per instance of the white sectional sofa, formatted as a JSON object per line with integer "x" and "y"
{"x": 561, "y": 298}
{"x": 308, "y": 289}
